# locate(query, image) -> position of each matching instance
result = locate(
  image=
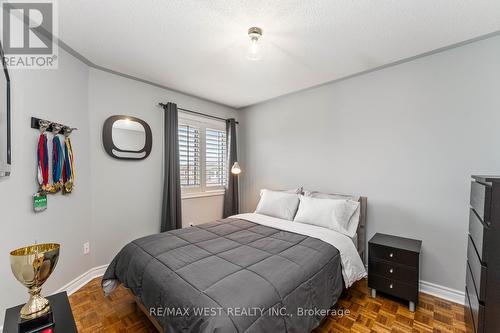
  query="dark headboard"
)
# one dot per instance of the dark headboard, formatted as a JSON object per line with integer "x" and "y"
{"x": 362, "y": 229}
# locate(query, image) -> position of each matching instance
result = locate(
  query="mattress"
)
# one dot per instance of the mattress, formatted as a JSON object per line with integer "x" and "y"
{"x": 231, "y": 275}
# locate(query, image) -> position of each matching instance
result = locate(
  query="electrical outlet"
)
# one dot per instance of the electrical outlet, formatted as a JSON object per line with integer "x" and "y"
{"x": 86, "y": 248}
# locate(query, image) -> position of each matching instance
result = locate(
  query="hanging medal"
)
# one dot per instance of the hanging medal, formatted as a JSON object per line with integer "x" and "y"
{"x": 57, "y": 160}
{"x": 68, "y": 174}
{"x": 40, "y": 197}
{"x": 43, "y": 163}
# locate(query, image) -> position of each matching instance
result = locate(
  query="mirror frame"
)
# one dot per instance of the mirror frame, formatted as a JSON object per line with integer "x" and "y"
{"x": 6, "y": 161}
{"x": 110, "y": 147}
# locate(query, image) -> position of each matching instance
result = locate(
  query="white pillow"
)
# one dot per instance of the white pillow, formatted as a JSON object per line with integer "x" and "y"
{"x": 278, "y": 204}
{"x": 297, "y": 190}
{"x": 327, "y": 213}
{"x": 321, "y": 195}
{"x": 352, "y": 227}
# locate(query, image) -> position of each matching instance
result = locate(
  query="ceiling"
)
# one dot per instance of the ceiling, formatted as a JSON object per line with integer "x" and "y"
{"x": 198, "y": 47}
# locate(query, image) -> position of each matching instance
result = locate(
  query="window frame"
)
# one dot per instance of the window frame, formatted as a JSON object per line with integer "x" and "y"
{"x": 202, "y": 123}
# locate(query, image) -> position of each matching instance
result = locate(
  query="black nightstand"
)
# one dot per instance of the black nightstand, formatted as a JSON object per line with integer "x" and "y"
{"x": 63, "y": 317}
{"x": 394, "y": 267}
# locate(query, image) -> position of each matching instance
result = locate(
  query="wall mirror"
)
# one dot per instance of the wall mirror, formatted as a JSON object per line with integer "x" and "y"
{"x": 126, "y": 137}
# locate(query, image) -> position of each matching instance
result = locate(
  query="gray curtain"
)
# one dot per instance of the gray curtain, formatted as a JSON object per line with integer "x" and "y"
{"x": 171, "y": 215}
{"x": 231, "y": 198}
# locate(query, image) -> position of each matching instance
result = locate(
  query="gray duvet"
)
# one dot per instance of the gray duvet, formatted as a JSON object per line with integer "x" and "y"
{"x": 231, "y": 276}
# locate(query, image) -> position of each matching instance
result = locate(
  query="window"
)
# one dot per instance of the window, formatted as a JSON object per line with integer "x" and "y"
{"x": 189, "y": 156}
{"x": 202, "y": 155}
{"x": 215, "y": 157}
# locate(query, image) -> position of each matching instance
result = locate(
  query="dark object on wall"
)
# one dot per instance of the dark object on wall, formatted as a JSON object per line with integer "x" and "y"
{"x": 5, "y": 120}
{"x": 51, "y": 126}
{"x": 171, "y": 211}
{"x": 127, "y": 138}
{"x": 482, "y": 283}
{"x": 394, "y": 267}
{"x": 231, "y": 198}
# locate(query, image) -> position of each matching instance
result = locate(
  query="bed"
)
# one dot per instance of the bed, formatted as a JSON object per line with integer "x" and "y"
{"x": 247, "y": 273}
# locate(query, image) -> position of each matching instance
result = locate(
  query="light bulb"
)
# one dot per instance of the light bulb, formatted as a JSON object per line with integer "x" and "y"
{"x": 253, "y": 51}
{"x": 255, "y": 47}
{"x": 236, "y": 170}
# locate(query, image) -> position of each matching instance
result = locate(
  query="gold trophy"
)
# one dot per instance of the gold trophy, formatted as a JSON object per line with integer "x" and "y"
{"x": 32, "y": 266}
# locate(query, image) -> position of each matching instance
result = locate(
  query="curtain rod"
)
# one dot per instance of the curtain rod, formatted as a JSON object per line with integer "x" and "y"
{"x": 198, "y": 113}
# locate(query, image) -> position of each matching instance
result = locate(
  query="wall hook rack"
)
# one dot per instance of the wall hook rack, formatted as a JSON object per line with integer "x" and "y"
{"x": 56, "y": 128}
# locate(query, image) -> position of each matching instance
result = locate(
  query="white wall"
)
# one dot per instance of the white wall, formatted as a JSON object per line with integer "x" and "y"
{"x": 408, "y": 137}
{"x": 57, "y": 95}
{"x": 127, "y": 195}
{"x": 201, "y": 210}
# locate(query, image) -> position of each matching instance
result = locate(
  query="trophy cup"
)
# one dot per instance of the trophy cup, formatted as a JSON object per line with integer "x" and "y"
{"x": 32, "y": 266}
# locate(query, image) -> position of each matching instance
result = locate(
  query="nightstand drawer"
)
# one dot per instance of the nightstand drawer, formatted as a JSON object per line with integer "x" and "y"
{"x": 478, "y": 271}
{"x": 480, "y": 200}
{"x": 479, "y": 232}
{"x": 393, "y": 271}
{"x": 394, "y": 255}
{"x": 393, "y": 287}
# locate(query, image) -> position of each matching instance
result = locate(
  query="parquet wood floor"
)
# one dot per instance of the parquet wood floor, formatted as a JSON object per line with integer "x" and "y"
{"x": 118, "y": 313}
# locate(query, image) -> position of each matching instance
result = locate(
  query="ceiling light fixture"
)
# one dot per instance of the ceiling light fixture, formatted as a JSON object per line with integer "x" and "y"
{"x": 255, "y": 48}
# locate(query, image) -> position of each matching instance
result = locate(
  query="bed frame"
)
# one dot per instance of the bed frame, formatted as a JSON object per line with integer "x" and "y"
{"x": 152, "y": 319}
{"x": 362, "y": 229}
{"x": 361, "y": 250}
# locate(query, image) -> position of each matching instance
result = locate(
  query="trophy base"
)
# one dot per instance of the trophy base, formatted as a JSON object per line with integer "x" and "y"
{"x": 37, "y": 324}
{"x": 37, "y": 306}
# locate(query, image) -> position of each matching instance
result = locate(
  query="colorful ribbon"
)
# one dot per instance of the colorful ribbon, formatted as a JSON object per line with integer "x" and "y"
{"x": 57, "y": 164}
{"x": 68, "y": 170}
{"x": 43, "y": 162}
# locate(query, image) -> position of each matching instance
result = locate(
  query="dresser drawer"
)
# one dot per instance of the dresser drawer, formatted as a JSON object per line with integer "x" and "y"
{"x": 393, "y": 271}
{"x": 476, "y": 308}
{"x": 393, "y": 255}
{"x": 479, "y": 232}
{"x": 393, "y": 287}
{"x": 480, "y": 200}
{"x": 478, "y": 271}
{"x": 469, "y": 321}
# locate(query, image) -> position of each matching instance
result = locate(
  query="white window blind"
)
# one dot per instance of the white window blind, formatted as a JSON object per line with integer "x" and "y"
{"x": 215, "y": 157}
{"x": 189, "y": 156}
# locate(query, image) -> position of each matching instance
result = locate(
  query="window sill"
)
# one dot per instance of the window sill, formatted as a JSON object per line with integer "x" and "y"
{"x": 202, "y": 194}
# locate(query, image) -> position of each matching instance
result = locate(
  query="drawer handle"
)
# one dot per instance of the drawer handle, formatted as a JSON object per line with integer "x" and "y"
{"x": 391, "y": 271}
{"x": 391, "y": 255}
{"x": 391, "y": 286}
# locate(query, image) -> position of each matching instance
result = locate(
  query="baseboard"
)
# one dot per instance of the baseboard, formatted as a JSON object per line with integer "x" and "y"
{"x": 446, "y": 293}
{"x": 82, "y": 280}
